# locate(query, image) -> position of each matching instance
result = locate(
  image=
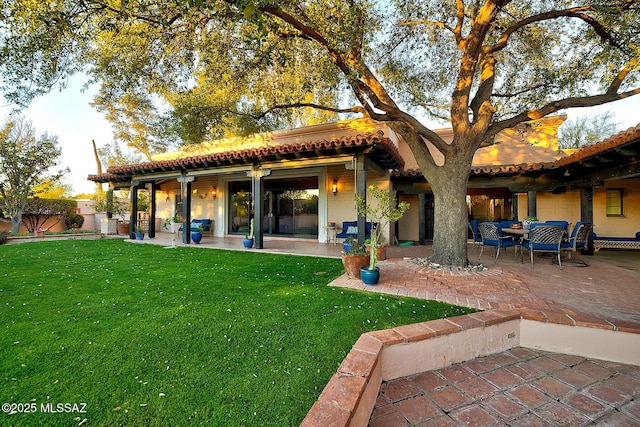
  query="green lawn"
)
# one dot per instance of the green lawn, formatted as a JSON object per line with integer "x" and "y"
{"x": 148, "y": 336}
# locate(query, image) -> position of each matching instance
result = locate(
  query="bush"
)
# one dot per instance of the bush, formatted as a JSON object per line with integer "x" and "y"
{"x": 74, "y": 220}
{"x": 3, "y": 237}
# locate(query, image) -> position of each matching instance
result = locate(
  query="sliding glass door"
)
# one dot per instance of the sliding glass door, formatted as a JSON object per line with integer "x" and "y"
{"x": 290, "y": 207}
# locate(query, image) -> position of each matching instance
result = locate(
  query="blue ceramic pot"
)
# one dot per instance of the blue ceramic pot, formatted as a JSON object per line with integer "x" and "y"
{"x": 196, "y": 236}
{"x": 248, "y": 243}
{"x": 139, "y": 236}
{"x": 370, "y": 277}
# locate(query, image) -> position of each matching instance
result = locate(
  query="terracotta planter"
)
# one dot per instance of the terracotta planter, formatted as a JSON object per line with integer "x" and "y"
{"x": 353, "y": 263}
{"x": 123, "y": 228}
{"x": 381, "y": 250}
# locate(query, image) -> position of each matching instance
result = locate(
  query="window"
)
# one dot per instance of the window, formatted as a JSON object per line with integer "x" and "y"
{"x": 614, "y": 202}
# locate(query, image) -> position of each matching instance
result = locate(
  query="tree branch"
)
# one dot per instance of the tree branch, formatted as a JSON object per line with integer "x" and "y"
{"x": 633, "y": 64}
{"x": 555, "y": 106}
{"x": 576, "y": 12}
{"x": 355, "y": 109}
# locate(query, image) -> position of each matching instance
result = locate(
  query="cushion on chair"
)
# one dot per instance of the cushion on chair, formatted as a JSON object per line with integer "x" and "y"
{"x": 350, "y": 229}
{"x": 563, "y": 224}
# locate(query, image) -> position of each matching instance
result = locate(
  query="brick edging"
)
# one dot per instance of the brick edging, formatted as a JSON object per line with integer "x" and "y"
{"x": 359, "y": 377}
{"x": 359, "y": 373}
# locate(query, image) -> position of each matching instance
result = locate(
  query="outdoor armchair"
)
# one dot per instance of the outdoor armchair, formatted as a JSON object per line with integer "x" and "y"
{"x": 544, "y": 238}
{"x": 563, "y": 224}
{"x": 475, "y": 232}
{"x": 492, "y": 236}
{"x": 578, "y": 238}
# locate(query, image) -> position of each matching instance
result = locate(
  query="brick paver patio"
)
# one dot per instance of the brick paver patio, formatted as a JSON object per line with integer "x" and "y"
{"x": 519, "y": 387}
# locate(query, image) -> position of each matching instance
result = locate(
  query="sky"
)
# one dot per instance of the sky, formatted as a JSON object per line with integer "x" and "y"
{"x": 68, "y": 115}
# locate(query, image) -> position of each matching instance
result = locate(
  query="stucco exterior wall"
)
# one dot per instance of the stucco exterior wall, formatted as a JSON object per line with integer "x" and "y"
{"x": 409, "y": 224}
{"x": 341, "y": 206}
{"x": 623, "y": 226}
{"x": 566, "y": 206}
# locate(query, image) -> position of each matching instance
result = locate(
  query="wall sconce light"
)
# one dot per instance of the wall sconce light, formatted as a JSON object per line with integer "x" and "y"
{"x": 214, "y": 193}
{"x": 334, "y": 187}
{"x": 566, "y": 172}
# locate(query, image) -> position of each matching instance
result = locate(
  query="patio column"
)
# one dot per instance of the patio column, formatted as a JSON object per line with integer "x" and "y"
{"x": 532, "y": 204}
{"x": 422, "y": 218}
{"x": 361, "y": 190}
{"x": 133, "y": 215}
{"x": 185, "y": 191}
{"x": 152, "y": 219}
{"x": 257, "y": 193}
{"x": 586, "y": 215}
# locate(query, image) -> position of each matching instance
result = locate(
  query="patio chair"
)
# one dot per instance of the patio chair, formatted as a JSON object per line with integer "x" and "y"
{"x": 492, "y": 236}
{"x": 563, "y": 224}
{"x": 475, "y": 232}
{"x": 544, "y": 238}
{"x": 578, "y": 238}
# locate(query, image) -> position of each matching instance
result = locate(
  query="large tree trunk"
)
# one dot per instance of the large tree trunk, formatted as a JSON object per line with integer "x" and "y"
{"x": 16, "y": 220}
{"x": 451, "y": 219}
{"x": 448, "y": 178}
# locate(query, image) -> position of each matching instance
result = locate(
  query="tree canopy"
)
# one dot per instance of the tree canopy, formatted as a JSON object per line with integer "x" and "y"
{"x": 234, "y": 66}
{"x": 25, "y": 163}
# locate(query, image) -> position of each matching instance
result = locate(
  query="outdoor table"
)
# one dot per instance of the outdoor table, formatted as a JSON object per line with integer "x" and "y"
{"x": 520, "y": 233}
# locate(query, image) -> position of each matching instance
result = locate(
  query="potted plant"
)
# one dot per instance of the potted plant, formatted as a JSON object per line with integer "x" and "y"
{"x": 381, "y": 249}
{"x": 354, "y": 259}
{"x": 248, "y": 238}
{"x": 348, "y": 243}
{"x": 528, "y": 221}
{"x": 196, "y": 234}
{"x": 111, "y": 205}
{"x": 170, "y": 223}
{"x": 123, "y": 227}
{"x": 381, "y": 213}
{"x": 139, "y": 233}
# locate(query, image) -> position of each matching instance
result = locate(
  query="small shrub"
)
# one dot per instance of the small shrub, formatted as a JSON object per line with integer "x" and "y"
{"x": 74, "y": 221}
{"x": 3, "y": 237}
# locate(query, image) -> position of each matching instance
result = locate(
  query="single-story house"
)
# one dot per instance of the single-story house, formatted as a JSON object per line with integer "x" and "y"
{"x": 298, "y": 182}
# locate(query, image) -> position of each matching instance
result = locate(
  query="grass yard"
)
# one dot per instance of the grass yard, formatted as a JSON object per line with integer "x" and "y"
{"x": 147, "y": 336}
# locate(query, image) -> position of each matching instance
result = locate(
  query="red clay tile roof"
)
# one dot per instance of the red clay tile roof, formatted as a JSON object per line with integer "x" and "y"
{"x": 383, "y": 151}
{"x": 626, "y": 136}
{"x": 631, "y": 135}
